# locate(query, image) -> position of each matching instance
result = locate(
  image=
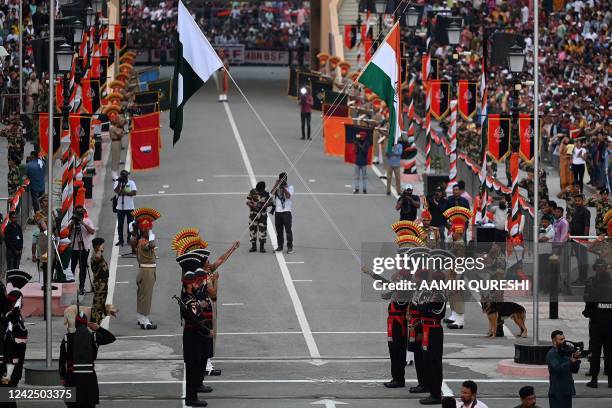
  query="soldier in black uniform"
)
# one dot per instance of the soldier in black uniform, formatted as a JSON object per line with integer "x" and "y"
{"x": 598, "y": 308}
{"x": 78, "y": 352}
{"x": 427, "y": 310}
{"x": 197, "y": 335}
{"x": 14, "y": 343}
{"x": 204, "y": 296}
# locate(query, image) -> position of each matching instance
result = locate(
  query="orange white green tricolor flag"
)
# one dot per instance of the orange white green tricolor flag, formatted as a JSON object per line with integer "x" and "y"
{"x": 382, "y": 76}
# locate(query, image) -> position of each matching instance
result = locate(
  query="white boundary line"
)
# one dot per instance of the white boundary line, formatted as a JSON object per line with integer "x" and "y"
{"x": 112, "y": 276}
{"x": 285, "y": 332}
{"x": 206, "y": 194}
{"x": 352, "y": 381}
{"x": 295, "y": 299}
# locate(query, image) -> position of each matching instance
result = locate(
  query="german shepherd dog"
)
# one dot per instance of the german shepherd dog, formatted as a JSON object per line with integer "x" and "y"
{"x": 504, "y": 310}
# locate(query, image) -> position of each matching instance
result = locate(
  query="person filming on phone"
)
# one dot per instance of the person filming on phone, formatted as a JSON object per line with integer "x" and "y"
{"x": 283, "y": 193}
{"x": 125, "y": 189}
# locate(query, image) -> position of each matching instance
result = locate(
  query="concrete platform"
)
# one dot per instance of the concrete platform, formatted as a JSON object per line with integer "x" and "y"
{"x": 34, "y": 297}
{"x": 510, "y": 368}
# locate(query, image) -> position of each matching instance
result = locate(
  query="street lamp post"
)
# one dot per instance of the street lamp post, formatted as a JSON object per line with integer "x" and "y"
{"x": 453, "y": 32}
{"x": 381, "y": 7}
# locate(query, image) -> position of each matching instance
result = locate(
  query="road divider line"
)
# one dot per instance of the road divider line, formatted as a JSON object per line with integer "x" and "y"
{"x": 295, "y": 299}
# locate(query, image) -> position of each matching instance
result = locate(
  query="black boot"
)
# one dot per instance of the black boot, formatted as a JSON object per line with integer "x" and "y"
{"x": 593, "y": 382}
{"x": 395, "y": 384}
{"x": 261, "y": 246}
{"x": 431, "y": 400}
{"x": 253, "y": 247}
{"x": 419, "y": 389}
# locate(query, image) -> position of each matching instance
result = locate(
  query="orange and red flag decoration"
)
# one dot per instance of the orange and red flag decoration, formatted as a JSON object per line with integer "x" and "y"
{"x": 440, "y": 98}
{"x": 467, "y": 99}
{"x": 351, "y": 133}
{"x": 145, "y": 122}
{"x": 90, "y": 92}
{"x": 145, "y": 149}
{"x": 80, "y": 133}
{"x": 526, "y": 135}
{"x": 43, "y": 131}
{"x": 334, "y": 134}
{"x": 498, "y": 136}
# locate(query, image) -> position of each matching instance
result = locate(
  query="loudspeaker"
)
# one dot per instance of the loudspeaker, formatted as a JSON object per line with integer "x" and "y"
{"x": 431, "y": 181}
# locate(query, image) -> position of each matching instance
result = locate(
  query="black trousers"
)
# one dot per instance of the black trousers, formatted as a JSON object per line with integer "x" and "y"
{"x": 560, "y": 400}
{"x": 578, "y": 170}
{"x": 432, "y": 362}
{"x": 121, "y": 215}
{"x": 12, "y": 259}
{"x": 35, "y": 196}
{"x": 600, "y": 335}
{"x": 580, "y": 253}
{"x": 193, "y": 380}
{"x": 397, "y": 354}
{"x": 419, "y": 366}
{"x": 79, "y": 257}
{"x": 282, "y": 221}
{"x": 305, "y": 117}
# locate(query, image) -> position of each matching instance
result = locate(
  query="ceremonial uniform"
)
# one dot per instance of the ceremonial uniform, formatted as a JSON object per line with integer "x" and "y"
{"x": 15, "y": 140}
{"x": 598, "y": 308}
{"x": 13, "y": 179}
{"x": 99, "y": 267}
{"x": 15, "y": 338}
{"x": 116, "y": 133}
{"x": 147, "y": 263}
{"x": 426, "y": 339}
{"x": 78, "y": 353}
{"x": 258, "y": 201}
{"x": 397, "y": 340}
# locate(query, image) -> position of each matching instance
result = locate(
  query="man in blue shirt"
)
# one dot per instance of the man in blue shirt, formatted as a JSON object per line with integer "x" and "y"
{"x": 362, "y": 148}
{"x": 560, "y": 368}
{"x": 394, "y": 157}
{"x": 456, "y": 199}
{"x": 35, "y": 170}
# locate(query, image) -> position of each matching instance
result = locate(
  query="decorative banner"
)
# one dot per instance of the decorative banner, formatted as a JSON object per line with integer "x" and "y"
{"x": 319, "y": 88}
{"x": 145, "y": 122}
{"x": 304, "y": 79}
{"x": 117, "y": 36}
{"x": 351, "y": 132}
{"x": 164, "y": 89}
{"x": 498, "y": 136}
{"x": 350, "y": 36}
{"x": 144, "y": 108}
{"x": 145, "y": 149}
{"x": 90, "y": 89}
{"x": 145, "y": 98}
{"x": 526, "y": 133}
{"x": 80, "y": 133}
{"x": 340, "y": 111}
{"x": 467, "y": 99}
{"x": 440, "y": 98}
{"x": 59, "y": 95}
{"x": 95, "y": 70}
{"x": 433, "y": 75}
{"x": 103, "y": 71}
{"x": 43, "y": 131}
{"x": 334, "y": 133}
{"x": 335, "y": 98}
{"x": 291, "y": 83}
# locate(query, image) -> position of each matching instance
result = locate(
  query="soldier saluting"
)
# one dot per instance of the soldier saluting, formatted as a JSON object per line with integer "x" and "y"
{"x": 258, "y": 202}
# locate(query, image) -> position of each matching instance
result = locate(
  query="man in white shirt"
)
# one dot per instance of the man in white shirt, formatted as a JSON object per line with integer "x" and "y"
{"x": 283, "y": 193}
{"x": 82, "y": 231}
{"x": 125, "y": 189}
{"x": 500, "y": 219}
{"x": 468, "y": 396}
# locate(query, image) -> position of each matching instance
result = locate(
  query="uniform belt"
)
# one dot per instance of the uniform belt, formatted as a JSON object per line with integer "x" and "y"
{"x": 428, "y": 323}
{"x": 21, "y": 340}
{"x": 148, "y": 265}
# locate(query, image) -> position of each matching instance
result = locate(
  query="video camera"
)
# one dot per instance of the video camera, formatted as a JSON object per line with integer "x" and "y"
{"x": 77, "y": 217}
{"x": 568, "y": 349}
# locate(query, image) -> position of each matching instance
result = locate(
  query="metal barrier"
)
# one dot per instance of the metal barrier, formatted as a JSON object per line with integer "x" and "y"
{"x": 9, "y": 105}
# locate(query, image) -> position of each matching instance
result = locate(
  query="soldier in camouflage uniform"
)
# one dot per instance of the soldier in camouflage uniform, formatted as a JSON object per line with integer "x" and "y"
{"x": 16, "y": 142}
{"x": 568, "y": 196}
{"x": 602, "y": 205}
{"x": 258, "y": 202}
{"x": 14, "y": 177}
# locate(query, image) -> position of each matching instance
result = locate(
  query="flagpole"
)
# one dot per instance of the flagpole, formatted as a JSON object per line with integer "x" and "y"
{"x": 536, "y": 171}
{"x": 50, "y": 254}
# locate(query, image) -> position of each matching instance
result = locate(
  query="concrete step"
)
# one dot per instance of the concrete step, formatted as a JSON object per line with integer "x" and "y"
{"x": 33, "y": 298}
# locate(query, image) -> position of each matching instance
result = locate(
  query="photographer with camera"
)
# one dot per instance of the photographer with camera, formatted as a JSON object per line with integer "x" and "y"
{"x": 562, "y": 359}
{"x": 408, "y": 204}
{"x": 82, "y": 231}
{"x": 125, "y": 190}
{"x": 282, "y": 212}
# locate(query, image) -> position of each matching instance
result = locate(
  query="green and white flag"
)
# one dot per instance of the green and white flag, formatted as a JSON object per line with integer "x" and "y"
{"x": 196, "y": 61}
{"x": 382, "y": 75}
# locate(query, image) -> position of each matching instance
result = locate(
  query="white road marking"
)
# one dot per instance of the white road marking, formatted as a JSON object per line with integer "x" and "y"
{"x": 348, "y": 186}
{"x": 295, "y": 299}
{"x": 311, "y": 180}
{"x": 112, "y": 275}
{"x": 165, "y": 186}
{"x": 294, "y": 262}
{"x": 200, "y": 180}
{"x": 125, "y": 266}
{"x": 124, "y": 282}
{"x": 232, "y": 304}
{"x": 289, "y": 332}
{"x": 244, "y": 175}
{"x": 446, "y": 391}
{"x": 303, "y": 280}
{"x": 240, "y": 193}
{"x": 161, "y": 192}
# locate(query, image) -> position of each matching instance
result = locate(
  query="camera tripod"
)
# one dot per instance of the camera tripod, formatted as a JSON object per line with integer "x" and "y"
{"x": 78, "y": 235}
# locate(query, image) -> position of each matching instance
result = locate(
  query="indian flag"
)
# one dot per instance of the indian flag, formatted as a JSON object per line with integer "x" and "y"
{"x": 196, "y": 61}
{"x": 382, "y": 75}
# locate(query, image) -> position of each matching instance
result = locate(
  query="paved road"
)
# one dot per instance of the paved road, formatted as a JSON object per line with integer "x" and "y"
{"x": 293, "y": 328}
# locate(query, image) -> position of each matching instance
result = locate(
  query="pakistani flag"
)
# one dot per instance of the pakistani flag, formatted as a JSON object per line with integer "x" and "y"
{"x": 196, "y": 61}
{"x": 382, "y": 76}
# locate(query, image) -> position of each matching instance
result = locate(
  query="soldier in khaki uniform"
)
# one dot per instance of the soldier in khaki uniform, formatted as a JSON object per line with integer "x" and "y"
{"x": 432, "y": 234}
{"x": 258, "y": 202}
{"x": 116, "y": 134}
{"x": 145, "y": 253}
